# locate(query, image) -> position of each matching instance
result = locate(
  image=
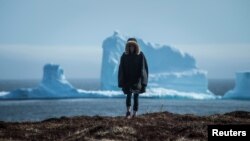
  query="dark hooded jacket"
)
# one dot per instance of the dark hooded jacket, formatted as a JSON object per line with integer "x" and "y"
{"x": 133, "y": 70}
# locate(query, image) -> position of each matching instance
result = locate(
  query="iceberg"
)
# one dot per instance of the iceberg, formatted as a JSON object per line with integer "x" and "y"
{"x": 55, "y": 85}
{"x": 242, "y": 87}
{"x": 169, "y": 68}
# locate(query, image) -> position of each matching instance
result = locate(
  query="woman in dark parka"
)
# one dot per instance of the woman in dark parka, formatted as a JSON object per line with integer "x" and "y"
{"x": 132, "y": 74}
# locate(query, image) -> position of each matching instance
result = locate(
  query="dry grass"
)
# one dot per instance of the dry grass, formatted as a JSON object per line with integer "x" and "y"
{"x": 153, "y": 126}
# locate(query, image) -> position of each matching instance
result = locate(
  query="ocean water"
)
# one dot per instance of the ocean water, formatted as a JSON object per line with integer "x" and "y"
{"x": 37, "y": 110}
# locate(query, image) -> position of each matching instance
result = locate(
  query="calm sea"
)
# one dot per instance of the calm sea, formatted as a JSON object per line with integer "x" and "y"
{"x": 37, "y": 110}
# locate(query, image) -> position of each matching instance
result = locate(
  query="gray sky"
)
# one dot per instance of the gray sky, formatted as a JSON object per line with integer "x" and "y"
{"x": 70, "y": 33}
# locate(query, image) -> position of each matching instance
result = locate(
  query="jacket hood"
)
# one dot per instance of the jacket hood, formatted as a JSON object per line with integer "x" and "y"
{"x": 137, "y": 48}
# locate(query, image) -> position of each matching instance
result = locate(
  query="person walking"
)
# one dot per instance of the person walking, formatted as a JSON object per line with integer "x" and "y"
{"x": 132, "y": 74}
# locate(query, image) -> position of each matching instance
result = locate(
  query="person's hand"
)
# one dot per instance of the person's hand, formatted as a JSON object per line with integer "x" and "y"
{"x": 143, "y": 89}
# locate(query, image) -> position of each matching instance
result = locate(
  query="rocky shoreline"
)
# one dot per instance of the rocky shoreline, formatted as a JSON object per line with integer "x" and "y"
{"x": 151, "y": 126}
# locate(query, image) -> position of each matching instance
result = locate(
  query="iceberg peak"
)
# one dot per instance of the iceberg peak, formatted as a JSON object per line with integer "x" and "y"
{"x": 116, "y": 32}
{"x": 52, "y": 72}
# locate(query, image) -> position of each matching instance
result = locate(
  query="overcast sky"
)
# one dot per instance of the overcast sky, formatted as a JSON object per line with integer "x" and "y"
{"x": 70, "y": 33}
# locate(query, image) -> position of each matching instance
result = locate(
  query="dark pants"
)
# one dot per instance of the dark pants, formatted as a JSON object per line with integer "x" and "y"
{"x": 136, "y": 103}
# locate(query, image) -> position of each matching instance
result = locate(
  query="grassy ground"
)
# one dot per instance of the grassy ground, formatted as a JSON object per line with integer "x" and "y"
{"x": 153, "y": 126}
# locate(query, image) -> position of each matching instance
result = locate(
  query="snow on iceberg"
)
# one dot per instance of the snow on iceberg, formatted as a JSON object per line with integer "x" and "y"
{"x": 169, "y": 68}
{"x": 173, "y": 94}
{"x": 242, "y": 87}
{"x": 3, "y": 93}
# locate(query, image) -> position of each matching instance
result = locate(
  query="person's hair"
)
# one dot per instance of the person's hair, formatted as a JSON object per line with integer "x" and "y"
{"x": 132, "y": 39}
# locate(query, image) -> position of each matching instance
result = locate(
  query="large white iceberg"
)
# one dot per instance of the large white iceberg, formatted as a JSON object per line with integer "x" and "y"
{"x": 173, "y": 74}
{"x": 169, "y": 68}
{"x": 242, "y": 87}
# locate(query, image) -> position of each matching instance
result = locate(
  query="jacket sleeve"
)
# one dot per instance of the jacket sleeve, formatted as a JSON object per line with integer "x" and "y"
{"x": 144, "y": 76}
{"x": 121, "y": 73}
